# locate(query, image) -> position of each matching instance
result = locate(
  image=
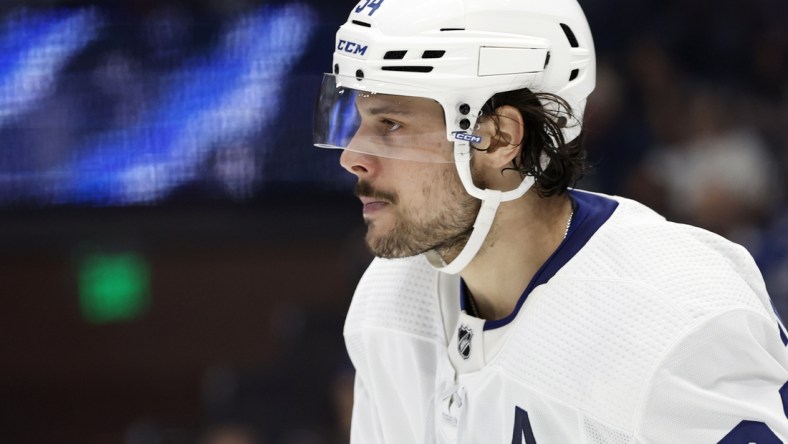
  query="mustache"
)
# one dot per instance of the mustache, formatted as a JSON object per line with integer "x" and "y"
{"x": 365, "y": 189}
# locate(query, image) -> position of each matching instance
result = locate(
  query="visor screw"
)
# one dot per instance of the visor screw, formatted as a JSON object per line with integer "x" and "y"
{"x": 465, "y": 124}
{"x": 359, "y": 74}
{"x": 336, "y": 68}
{"x": 465, "y": 109}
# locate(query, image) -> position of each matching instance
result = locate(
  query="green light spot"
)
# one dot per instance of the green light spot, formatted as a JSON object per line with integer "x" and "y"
{"x": 113, "y": 288}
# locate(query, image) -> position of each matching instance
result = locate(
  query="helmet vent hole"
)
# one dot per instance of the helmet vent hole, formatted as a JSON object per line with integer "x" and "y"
{"x": 395, "y": 55}
{"x": 570, "y": 35}
{"x": 408, "y": 68}
{"x": 360, "y": 23}
{"x": 573, "y": 74}
{"x": 434, "y": 54}
{"x": 336, "y": 68}
{"x": 452, "y": 29}
{"x": 359, "y": 74}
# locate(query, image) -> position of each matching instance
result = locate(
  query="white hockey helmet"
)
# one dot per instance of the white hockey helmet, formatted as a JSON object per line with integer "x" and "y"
{"x": 458, "y": 53}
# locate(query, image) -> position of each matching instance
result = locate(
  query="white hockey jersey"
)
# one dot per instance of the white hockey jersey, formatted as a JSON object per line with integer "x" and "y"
{"x": 636, "y": 330}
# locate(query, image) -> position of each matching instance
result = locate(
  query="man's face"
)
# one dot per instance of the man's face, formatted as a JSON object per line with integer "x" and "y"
{"x": 410, "y": 206}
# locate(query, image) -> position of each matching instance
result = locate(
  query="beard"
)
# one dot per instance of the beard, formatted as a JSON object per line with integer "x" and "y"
{"x": 443, "y": 225}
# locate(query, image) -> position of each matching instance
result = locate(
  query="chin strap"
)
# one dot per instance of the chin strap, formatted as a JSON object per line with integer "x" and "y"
{"x": 491, "y": 199}
{"x": 481, "y": 227}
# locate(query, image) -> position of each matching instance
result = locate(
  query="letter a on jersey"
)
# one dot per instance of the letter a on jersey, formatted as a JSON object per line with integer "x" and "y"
{"x": 522, "y": 428}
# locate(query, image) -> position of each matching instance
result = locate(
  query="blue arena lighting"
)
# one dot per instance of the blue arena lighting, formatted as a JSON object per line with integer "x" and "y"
{"x": 221, "y": 99}
{"x": 34, "y": 47}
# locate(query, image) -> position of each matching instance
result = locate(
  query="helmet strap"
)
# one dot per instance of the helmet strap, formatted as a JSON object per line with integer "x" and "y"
{"x": 481, "y": 227}
{"x": 491, "y": 199}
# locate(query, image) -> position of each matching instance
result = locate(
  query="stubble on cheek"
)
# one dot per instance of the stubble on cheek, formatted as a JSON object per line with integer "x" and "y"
{"x": 441, "y": 219}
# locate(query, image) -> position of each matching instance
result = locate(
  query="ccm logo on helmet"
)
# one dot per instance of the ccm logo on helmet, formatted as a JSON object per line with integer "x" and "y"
{"x": 351, "y": 47}
{"x": 468, "y": 137}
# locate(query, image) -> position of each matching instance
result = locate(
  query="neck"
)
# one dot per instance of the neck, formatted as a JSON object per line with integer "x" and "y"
{"x": 524, "y": 234}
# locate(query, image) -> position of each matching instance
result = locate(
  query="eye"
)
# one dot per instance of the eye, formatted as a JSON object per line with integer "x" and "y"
{"x": 390, "y": 125}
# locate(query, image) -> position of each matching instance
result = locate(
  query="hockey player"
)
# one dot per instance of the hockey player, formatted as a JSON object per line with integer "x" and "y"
{"x": 504, "y": 306}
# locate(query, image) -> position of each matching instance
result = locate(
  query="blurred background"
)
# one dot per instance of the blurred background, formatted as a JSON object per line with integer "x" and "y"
{"x": 177, "y": 259}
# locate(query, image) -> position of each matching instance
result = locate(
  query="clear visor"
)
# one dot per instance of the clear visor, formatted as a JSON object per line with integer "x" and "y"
{"x": 385, "y": 125}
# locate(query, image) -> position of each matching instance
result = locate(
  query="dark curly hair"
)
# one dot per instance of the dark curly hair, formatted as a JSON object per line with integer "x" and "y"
{"x": 544, "y": 115}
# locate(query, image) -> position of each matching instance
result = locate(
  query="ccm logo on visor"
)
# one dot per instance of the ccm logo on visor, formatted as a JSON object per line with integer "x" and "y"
{"x": 468, "y": 137}
{"x": 352, "y": 47}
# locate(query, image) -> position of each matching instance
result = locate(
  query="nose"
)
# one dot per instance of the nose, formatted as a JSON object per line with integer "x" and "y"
{"x": 360, "y": 164}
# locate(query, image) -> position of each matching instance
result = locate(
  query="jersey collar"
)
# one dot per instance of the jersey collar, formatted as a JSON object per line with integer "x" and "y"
{"x": 591, "y": 211}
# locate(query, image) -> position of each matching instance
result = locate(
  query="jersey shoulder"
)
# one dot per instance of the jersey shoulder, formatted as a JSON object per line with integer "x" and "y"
{"x": 399, "y": 295}
{"x": 699, "y": 272}
{"x": 593, "y": 335}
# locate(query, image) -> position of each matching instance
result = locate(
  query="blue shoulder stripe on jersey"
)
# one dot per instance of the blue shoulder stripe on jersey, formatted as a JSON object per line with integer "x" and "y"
{"x": 750, "y": 431}
{"x": 591, "y": 212}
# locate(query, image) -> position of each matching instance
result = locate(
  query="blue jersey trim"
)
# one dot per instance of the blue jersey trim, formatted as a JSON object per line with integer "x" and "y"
{"x": 783, "y": 337}
{"x": 591, "y": 212}
{"x": 750, "y": 431}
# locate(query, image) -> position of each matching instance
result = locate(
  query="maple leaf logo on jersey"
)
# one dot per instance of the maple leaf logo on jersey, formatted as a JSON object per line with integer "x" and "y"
{"x": 464, "y": 336}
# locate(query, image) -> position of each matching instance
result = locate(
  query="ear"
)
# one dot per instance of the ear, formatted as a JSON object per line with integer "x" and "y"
{"x": 502, "y": 137}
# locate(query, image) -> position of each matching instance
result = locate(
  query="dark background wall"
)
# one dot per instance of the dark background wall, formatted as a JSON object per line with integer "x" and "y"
{"x": 243, "y": 324}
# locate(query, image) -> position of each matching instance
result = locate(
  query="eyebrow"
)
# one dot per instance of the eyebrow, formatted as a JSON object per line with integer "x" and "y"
{"x": 388, "y": 110}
